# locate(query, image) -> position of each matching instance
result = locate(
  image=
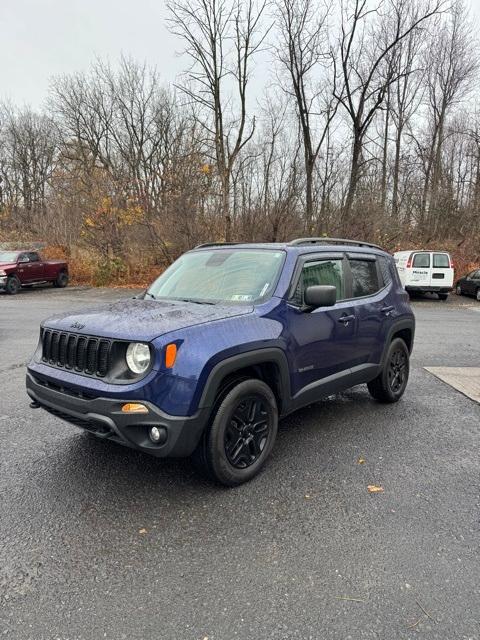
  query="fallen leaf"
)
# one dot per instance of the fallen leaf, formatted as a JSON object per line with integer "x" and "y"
{"x": 374, "y": 488}
{"x": 361, "y": 460}
{"x": 307, "y": 496}
{"x": 142, "y": 531}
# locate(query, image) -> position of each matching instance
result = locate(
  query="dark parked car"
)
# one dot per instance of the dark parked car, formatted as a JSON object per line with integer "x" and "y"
{"x": 225, "y": 341}
{"x": 469, "y": 285}
{"x": 26, "y": 268}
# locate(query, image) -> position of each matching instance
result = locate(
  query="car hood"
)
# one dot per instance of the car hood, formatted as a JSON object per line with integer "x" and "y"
{"x": 141, "y": 320}
{"x": 9, "y": 265}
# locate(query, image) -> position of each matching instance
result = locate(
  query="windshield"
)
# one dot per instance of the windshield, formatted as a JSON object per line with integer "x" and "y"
{"x": 8, "y": 256}
{"x": 221, "y": 275}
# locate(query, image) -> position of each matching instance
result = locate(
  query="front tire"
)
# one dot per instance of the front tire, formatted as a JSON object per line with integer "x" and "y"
{"x": 13, "y": 285}
{"x": 240, "y": 438}
{"x": 62, "y": 280}
{"x": 458, "y": 290}
{"x": 389, "y": 386}
{"x": 477, "y": 295}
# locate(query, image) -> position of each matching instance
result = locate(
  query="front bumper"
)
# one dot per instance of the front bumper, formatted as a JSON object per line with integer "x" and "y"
{"x": 104, "y": 418}
{"x": 3, "y": 282}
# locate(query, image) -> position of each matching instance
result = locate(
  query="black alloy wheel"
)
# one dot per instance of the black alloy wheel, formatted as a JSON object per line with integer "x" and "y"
{"x": 392, "y": 380}
{"x": 241, "y": 435}
{"x": 247, "y": 432}
{"x": 397, "y": 370}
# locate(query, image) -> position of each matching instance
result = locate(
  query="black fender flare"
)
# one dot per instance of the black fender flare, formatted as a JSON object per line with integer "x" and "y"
{"x": 398, "y": 325}
{"x": 239, "y": 361}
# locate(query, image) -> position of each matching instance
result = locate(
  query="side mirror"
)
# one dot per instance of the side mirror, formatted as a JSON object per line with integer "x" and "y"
{"x": 321, "y": 296}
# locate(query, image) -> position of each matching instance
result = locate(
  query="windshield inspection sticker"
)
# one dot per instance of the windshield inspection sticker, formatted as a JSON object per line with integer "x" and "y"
{"x": 239, "y": 297}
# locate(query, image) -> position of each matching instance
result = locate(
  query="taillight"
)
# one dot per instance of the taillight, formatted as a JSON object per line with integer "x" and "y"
{"x": 451, "y": 264}
{"x": 410, "y": 261}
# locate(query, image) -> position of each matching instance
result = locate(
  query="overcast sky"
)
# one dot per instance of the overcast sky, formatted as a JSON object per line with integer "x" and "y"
{"x": 43, "y": 38}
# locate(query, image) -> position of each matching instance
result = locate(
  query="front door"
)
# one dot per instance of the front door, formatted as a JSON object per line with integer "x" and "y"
{"x": 322, "y": 340}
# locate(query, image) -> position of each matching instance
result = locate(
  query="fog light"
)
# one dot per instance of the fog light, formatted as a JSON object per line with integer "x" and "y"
{"x": 155, "y": 434}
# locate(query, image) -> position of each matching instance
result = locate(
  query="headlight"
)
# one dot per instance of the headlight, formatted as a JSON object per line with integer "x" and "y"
{"x": 138, "y": 357}
{"x": 2, "y": 272}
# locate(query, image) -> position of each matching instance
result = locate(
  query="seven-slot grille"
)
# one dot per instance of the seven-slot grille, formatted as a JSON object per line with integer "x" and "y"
{"x": 82, "y": 354}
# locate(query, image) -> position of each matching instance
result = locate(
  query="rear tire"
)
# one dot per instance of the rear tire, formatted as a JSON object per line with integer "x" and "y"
{"x": 13, "y": 285}
{"x": 443, "y": 296}
{"x": 389, "y": 386}
{"x": 62, "y": 280}
{"x": 235, "y": 446}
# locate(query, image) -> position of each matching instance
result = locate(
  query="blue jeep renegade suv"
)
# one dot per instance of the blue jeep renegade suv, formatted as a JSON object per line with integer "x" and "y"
{"x": 227, "y": 340}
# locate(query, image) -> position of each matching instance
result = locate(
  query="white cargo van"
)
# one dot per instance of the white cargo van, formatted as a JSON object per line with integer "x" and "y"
{"x": 425, "y": 271}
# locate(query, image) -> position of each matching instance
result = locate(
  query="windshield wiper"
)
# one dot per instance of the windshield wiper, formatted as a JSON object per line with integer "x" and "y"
{"x": 147, "y": 293}
{"x": 196, "y": 301}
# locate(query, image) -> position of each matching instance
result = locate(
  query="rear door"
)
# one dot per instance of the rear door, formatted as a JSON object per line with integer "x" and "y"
{"x": 419, "y": 274}
{"x": 442, "y": 271}
{"x": 372, "y": 291}
{"x": 36, "y": 270}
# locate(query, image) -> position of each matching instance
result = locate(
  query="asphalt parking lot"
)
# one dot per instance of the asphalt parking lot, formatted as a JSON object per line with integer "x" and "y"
{"x": 98, "y": 541}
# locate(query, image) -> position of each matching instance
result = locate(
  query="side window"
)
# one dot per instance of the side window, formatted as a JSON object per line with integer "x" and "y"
{"x": 421, "y": 260}
{"x": 441, "y": 261}
{"x": 23, "y": 257}
{"x": 33, "y": 257}
{"x": 323, "y": 272}
{"x": 364, "y": 278}
{"x": 385, "y": 270}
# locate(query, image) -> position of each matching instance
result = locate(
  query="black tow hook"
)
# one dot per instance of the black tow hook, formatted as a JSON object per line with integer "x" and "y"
{"x": 34, "y": 405}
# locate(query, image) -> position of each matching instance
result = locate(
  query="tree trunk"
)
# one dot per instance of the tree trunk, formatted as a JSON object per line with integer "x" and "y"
{"x": 396, "y": 170}
{"x": 354, "y": 177}
{"x": 226, "y": 206}
{"x": 308, "y": 196}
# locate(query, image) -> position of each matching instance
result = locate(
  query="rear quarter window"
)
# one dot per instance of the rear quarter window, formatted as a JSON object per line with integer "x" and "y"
{"x": 384, "y": 264}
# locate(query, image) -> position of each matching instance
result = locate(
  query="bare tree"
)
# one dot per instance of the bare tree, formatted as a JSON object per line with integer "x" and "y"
{"x": 221, "y": 39}
{"x": 452, "y": 66}
{"x": 369, "y": 37}
{"x": 305, "y": 53}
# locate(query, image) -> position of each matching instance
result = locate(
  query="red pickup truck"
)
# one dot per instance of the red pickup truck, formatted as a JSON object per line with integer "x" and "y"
{"x": 25, "y": 268}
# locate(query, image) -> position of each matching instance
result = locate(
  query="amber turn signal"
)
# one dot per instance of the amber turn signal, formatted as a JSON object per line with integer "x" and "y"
{"x": 170, "y": 355}
{"x": 134, "y": 407}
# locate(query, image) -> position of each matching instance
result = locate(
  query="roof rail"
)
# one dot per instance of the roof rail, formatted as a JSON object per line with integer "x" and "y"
{"x": 216, "y": 244}
{"x": 357, "y": 243}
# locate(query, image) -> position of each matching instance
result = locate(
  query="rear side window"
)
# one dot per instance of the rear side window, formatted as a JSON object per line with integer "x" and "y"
{"x": 421, "y": 260}
{"x": 441, "y": 261}
{"x": 323, "y": 272}
{"x": 33, "y": 257}
{"x": 364, "y": 278}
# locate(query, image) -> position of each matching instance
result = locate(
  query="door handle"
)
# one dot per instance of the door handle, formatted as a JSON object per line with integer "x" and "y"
{"x": 346, "y": 319}
{"x": 387, "y": 309}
